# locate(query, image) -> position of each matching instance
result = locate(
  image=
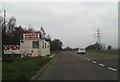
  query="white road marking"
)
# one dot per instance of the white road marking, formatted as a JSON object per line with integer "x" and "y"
{"x": 89, "y": 60}
{"x": 112, "y": 69}
{"x": 101, "y": 64}
{"x": 94, "y": 61}
{"x": 98, "y": 64}
{"x": 77, "y": 55}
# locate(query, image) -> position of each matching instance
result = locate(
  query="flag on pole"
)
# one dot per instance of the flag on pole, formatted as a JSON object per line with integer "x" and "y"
{"x": 42, "y": 31}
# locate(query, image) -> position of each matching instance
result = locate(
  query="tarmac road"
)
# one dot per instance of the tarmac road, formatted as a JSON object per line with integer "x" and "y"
{"x": 89, "y": 66}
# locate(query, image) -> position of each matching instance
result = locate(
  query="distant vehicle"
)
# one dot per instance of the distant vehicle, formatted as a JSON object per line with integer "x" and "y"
{"x": 81, "y": 51}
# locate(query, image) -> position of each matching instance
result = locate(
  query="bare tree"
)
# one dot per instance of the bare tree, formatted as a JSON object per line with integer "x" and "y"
{"x": 31, "y": 30}
{"x": 1, "y": 20}
{"x": 10, "y": 25}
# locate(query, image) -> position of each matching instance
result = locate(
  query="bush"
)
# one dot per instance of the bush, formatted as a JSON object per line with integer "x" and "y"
{"x": 8, "y": 59}
{"x": 26, "y": 57}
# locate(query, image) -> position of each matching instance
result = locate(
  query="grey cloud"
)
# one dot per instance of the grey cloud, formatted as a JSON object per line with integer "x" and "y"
{"x": 68, "y": 21}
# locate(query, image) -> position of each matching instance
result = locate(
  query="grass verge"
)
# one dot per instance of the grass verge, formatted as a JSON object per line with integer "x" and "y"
{"x": 23, "y": 69}
{"x": 112, "y": 52}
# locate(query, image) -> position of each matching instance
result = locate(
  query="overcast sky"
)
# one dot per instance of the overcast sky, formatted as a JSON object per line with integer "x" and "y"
{"x": 74, "y": 23}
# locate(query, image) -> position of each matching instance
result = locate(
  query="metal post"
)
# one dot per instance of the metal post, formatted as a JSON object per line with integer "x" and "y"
{"x": 3, "y": 30}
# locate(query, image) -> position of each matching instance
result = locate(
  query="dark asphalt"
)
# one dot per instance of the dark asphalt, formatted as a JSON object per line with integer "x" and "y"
{"x": 71, "y": 66}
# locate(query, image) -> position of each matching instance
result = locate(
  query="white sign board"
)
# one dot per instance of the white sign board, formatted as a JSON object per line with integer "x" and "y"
{"x": 31, "y": 36}
{"x": 9, "y": 49}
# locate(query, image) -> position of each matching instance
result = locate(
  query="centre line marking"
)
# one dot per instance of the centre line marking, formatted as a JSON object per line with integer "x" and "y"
{"x": 89, "y": 60}
{"x": 112, "y": 69}
{"x": 94, "y": 61}
{"x": 101, "y": 64}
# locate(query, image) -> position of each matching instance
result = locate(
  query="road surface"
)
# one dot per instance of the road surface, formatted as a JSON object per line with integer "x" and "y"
{"x": 90, "y": 66}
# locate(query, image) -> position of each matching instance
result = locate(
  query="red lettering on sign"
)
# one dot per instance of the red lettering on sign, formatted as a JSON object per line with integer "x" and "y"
{"x": 11, "y": 47}
{"x": 31, "y": 36}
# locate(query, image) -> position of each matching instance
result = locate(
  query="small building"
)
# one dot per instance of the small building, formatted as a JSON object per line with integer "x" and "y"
{"x": 31, "y": 45}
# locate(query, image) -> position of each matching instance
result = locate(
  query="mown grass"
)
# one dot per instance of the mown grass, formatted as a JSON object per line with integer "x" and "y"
{"x": 113, "y": 52}
{"x": 23, "y": 69}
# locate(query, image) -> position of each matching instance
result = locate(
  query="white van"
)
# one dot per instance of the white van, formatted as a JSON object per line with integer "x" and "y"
{"x": 81, "y": 51}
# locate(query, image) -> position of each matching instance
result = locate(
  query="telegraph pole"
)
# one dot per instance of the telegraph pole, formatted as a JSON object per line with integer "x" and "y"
{"x": 98, "y": 36}
{"x": 3, "y": 30}
{"x": 4, "y": 18}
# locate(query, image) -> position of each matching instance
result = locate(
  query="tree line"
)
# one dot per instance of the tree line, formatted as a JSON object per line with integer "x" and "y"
{"x": 94, "y": 46}
{"x": 12, "y": 34}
